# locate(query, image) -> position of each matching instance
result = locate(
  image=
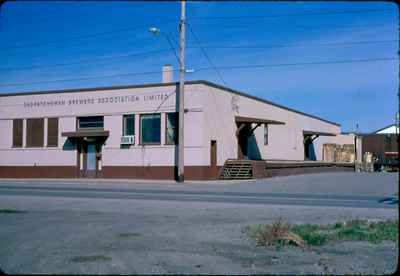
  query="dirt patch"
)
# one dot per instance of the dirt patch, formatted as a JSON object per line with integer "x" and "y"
{"x": 11, "y": 211}
{"x": 90, "y": 259}
{"x": 129, "y": 235}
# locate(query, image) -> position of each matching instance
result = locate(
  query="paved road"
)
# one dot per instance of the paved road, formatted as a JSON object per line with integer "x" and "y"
{"x": 339, "y": 183}
{"x": 125, "y": 227}
{"x": 309, "y": 199}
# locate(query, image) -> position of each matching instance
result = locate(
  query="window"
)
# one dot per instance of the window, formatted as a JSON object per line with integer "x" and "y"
{"x": 17, "y": 133}
{"x": 34, "y": 132}
{"x": 128, "y": 125}
{"x": 52, "y": 132}
{"x": 150, "y": 129}
{"x": 265, "y": 134}
{"x": 91, "y": 122}
{"x": 171, "y": 128}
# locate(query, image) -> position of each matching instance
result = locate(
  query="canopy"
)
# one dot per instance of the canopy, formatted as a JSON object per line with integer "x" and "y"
{"x": 319, "y": 133}
{"x": 240, "y": 119}
{"x": 86, "y": 133}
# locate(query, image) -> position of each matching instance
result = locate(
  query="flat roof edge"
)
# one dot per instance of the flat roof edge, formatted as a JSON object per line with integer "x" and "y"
{"x": 89, "y": 89}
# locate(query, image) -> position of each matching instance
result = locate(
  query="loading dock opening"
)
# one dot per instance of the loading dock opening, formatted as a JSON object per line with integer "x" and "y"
{"x": 308, "y": 139}
{"x": 245, "y": 129}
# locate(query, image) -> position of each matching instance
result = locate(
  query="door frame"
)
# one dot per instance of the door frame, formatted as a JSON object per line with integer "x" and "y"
{"x": 213, "y": 158}
{"x": 82, "y": 158}
{"x": 242, "y": 138}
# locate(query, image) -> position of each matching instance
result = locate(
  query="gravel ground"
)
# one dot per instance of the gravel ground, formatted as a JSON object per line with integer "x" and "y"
{"x": 66, "y": 235}
{"x": 110, "y": 236}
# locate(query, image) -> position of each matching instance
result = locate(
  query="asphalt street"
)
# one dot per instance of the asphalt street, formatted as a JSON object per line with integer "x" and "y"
{"x": 354, "y": 201}
{"x": 339, "y": 183}
{"x": 358, "y": 190}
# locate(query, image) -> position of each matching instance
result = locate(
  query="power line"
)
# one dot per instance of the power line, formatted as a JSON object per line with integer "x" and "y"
{"x": 308, "y": 27}
{"x": 83, "y": 61}
{"x": 79, "y": 37}
{"x": 207, "y": 68}
{"x": 129, "y": 40}
{"x": 84, "y": 78}
{"x": 297, "y": 45}
{"x": 173, "y": 39}
{"x": 298, "y": 64}
{"x": 195, "y": 47}
{"x": 171, "y": 45}
{"x": 284, "y": 15}
{"x": 206, "y": 55}
{"x": 40, "y": 21}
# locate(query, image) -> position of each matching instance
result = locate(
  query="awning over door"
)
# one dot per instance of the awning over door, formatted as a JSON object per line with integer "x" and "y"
{"x": 310, "y": 136}
{"x": 318, "y": 133}
{"x": 86, "y": 133}
{"x": 240, "y": 119}
{"x": 246, "y": 121}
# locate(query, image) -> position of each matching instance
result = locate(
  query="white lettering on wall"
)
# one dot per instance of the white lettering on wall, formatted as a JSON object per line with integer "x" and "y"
{"x": 96, "y": 100}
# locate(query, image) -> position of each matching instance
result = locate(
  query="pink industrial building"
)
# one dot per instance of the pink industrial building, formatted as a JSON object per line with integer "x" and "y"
{"x": 131, "y": 132}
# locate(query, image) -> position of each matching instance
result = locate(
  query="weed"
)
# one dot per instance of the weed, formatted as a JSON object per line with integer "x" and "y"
{"x": 351, "y": 234}
{"x": 337, "y": 225}
{"x": 281, "y": 233}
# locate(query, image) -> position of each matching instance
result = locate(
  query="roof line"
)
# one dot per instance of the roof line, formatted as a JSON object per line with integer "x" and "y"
{"x": 384, "y": 128}
{"x": 205, "y": 82}
{"x": 89, "y": 89}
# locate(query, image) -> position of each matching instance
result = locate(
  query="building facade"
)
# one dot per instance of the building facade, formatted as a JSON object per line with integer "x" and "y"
{"x": 383, "y": 144}
{"x": 131, "y": 132}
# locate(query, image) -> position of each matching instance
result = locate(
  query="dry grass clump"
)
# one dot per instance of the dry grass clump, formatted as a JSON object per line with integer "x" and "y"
{"x": 282, "y": 233}
{"x": 279, "y": 233}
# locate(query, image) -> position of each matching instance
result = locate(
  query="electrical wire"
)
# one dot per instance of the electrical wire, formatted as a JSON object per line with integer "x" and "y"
{"x": 202, "y": 46}
{"x": 208, "y": 68}
{"x": 298, "y": 64}
{"x": 34, "y": 67}
{"x": 206, "y": 55}
{"x": 296, "y": 45}
{"x": 79, "y": 37}
{"x": 84, "y": 78}
{"x": 307, "y": 27}
{"x": 284, "y": 15}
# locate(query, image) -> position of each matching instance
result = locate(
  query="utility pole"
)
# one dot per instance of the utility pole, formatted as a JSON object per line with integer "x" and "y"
{"x": 181, "y": 146}
{"x": 397, "y": 119}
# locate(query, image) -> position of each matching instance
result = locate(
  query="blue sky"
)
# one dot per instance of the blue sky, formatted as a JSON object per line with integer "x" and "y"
{"x": 111, "y": 38}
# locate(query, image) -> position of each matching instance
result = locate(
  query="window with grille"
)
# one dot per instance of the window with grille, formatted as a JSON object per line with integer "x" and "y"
{"x": 93, "y": 122}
